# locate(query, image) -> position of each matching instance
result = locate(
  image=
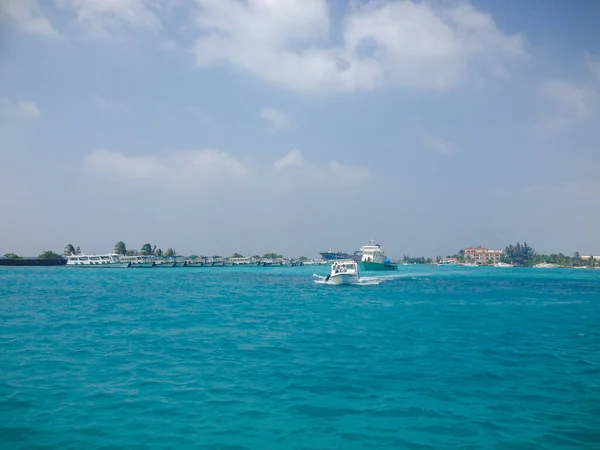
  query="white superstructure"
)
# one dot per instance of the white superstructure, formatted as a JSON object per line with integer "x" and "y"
{"x": 372, "y": 253}
{"x": 106, "y": 260}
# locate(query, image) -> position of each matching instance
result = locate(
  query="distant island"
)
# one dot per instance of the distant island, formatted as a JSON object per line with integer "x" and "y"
{"x": 519, "y": 255}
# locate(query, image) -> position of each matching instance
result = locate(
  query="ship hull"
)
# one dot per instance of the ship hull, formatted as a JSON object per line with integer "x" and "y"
{"x": 368, "y": 266}
{"x": 144, "y": 265}
{"x": 118, "y": 265}
{"x": 343, "y": 278}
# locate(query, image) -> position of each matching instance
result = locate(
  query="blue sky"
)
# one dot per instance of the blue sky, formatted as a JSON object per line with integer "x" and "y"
{"x": 226, "y": 126}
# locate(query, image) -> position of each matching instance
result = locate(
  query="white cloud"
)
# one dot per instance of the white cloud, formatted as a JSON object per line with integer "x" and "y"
{"x": 107, "y": 18}
{"x": 570, "y": 103}
{"x": 293, "y": 158}
{"x": 572, "y": 99}
{"x": 20, "y": 109}
{"x": 417, "y": 45}
{"x": 28, "y": 16}
{"x": 593, "y": 64}
{"x": 278, "y": 119}
{"x": 199, "y": 168}
{"x": 294, "y": 170}
{"x": 440, "y": 145}
{"x": 181, "y": 168}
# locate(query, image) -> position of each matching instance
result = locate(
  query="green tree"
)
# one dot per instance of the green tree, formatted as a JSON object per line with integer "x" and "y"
{"x": 170, "y": 252}
{"x": 237, "y": 255}
{"x": 158, "y": 252}
{"x": 120, "y": 248}
{"x": 12, "y": 256}
{"x": 70, "y": 250}
{"x": 577, "y": 259}
{"x": 146, "y": 250}
{"x": 303, "y": 258}
{"x": 272, "y": 255}
{"x": 520, "y": 255}
{"x": 49, "y": 255}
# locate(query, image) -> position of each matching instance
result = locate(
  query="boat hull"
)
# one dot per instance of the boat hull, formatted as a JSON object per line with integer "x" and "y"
{"x": 142, "y": 265}
{"x": 372, "y": 266}
{"x": 166, "y": 265}
{"x": 119, "y": 265}
{"x": 343, "y": 278}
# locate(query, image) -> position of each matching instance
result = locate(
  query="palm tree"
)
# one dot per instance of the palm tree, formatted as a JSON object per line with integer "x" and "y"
{"x": 70, "y": 250}
{"x": 120, "y": 248}
{"x": 146, "y": 249}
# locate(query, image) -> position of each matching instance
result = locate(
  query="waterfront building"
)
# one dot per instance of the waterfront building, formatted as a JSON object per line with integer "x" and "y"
{"x": 482, "y": 255}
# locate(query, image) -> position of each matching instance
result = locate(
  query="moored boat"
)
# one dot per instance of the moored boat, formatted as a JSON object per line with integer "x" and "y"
{"x": 165, "y": 265}
{"x": 138, "y": 262}
{"x": 503, "y": 264}
{"x": 109, "y": 260}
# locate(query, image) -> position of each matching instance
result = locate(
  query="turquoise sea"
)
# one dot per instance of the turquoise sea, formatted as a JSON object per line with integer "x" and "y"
{"x": 265, "y": 358}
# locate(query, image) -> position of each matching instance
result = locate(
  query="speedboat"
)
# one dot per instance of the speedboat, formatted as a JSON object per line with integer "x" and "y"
{"x": 343, "y": 272}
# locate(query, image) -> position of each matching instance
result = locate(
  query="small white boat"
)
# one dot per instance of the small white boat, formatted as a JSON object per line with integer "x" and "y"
{"x": 343, "y": 272}
{"x": 503, "y": 264}
{"x": 545, "y": 266}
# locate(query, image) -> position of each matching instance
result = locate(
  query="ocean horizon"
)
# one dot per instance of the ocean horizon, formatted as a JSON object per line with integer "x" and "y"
{"x": 424, "y": 357}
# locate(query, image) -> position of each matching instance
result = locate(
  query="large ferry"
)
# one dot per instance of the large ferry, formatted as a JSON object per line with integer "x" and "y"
{"x": 372, "y": 257}
{"x": 331, "y": 255}
{"x": 109, "y": 260}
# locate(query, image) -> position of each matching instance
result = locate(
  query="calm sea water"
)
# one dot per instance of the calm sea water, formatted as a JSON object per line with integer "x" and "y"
{"x": 259, "y": 358}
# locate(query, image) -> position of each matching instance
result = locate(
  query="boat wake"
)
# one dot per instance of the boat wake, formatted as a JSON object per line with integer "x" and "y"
{"x": 362, "y": 281}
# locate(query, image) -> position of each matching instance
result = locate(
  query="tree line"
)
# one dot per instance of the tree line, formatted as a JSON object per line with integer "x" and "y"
{"x": 121, "y": 249}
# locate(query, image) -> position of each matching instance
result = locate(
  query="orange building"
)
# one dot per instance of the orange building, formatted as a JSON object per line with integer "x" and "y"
{"x": 483, "y": 255}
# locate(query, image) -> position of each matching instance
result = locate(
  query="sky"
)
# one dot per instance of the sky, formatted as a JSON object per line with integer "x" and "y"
{"x": 292, "y": 126}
